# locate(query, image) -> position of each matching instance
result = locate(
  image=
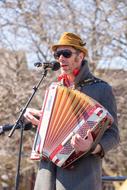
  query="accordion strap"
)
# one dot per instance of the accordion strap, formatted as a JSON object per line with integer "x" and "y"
{"x": 89, "y": 81}
{"x": 85, "y": 77}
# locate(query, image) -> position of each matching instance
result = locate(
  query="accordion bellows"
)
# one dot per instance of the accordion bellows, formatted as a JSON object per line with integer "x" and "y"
{"x": 66, "y": 112}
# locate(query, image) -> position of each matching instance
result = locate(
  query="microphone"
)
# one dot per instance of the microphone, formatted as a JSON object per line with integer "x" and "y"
{"x": 54, "y": 65}
{"x": 8, "y": 127}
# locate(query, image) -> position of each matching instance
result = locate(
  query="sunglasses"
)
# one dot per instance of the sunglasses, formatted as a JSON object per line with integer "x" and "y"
{"x": 66, "y": 53}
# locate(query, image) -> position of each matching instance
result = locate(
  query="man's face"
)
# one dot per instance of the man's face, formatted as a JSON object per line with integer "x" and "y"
{"x": 69, "y": 58}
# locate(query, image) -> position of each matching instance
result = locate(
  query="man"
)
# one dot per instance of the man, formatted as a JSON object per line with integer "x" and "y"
{"x": 86, "y": 172}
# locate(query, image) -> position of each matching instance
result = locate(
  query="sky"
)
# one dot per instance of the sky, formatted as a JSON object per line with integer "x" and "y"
{"x": 23, "y": 43}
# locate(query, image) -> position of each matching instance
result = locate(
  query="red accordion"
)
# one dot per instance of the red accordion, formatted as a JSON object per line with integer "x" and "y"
{"x": 67, "y": 112}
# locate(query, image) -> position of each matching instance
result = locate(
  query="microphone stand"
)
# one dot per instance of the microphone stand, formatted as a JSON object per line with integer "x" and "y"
{"x": 22, "y": 125}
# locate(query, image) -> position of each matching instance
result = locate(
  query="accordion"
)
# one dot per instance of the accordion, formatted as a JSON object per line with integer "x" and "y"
{"x": 67, "y": 112}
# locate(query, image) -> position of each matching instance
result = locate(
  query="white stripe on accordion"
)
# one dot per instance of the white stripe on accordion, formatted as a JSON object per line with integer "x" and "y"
{"x": 47, "y": 114}
{"x": 61, "y": 159}
{"x": 37, "y": 139}
{"x": 95, "y": 117}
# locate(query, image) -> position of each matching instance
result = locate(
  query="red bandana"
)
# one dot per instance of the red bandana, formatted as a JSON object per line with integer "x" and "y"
{"x": 65, "y": 79}
{"x": 76, "y": 72}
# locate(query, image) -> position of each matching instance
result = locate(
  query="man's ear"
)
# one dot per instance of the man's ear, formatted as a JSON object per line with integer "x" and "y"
{"x": 81, "y": 56}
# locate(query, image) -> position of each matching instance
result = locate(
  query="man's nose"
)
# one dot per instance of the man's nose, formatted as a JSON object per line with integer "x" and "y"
{"x": 61, "y": 57}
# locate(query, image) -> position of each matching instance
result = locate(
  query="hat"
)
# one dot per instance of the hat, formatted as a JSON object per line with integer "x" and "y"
{"x": 70, "y": 39}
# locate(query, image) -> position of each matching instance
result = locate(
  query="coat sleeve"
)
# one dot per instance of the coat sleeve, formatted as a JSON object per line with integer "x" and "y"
{"x": 111, "y": 138}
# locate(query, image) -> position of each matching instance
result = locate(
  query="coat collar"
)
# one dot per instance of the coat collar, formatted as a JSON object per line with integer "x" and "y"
{"x": 84, "y": 73}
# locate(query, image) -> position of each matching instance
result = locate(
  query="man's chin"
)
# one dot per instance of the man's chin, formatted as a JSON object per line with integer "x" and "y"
{"x": 66, "y": 72}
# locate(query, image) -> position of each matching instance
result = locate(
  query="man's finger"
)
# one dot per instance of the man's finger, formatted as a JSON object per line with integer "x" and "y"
{"x": 89, "y": 135}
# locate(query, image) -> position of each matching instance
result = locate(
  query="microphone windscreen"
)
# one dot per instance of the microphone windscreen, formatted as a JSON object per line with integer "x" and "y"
{"x": 56, "y": 65}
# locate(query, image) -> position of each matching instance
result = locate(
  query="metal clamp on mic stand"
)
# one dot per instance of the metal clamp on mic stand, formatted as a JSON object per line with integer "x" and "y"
{"x": 54, "y": 66}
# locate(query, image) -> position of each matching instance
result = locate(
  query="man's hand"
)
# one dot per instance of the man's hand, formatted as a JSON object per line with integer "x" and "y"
{"x": 81, "y": 144}
{"x": 32, "y": 114}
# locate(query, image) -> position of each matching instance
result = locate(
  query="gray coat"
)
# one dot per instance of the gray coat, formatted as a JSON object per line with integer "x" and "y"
{"x": 87, "y": 171}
